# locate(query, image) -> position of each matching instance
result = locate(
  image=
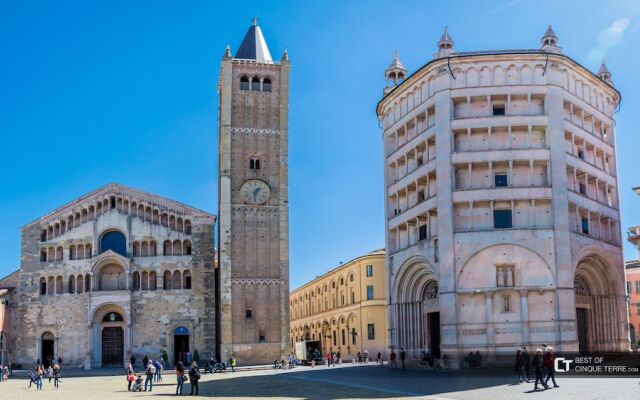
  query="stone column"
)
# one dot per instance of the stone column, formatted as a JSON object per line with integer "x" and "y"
{"x": 488, "y": 305}
{"x": 524, "y": 315}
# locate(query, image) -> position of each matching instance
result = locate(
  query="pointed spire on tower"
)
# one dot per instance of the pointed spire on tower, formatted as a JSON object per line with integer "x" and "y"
{"x": 227, "y": 52}
{"x": 285, "y": 55}
{"x": 604, "y": 73}
{"x": 253, "y": 46}
{"x": 445, "y": 45}
{"x": 395, "y": 73}
{"x": 549, "y": 41}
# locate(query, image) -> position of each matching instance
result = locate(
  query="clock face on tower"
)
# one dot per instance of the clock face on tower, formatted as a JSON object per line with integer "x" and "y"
{"x": 255, "y": 191}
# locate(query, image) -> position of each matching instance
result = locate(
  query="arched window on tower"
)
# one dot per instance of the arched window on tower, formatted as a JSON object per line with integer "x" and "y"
{"x": 255, "y": 84}
{"x": 266, "y": 85}
{"x": 79, "y": 282}
{"x": 244, "y": 83}
{"x": 145, "y": 281}
{"x": 167, "y": 248}
{"x": 186, "y": 248}
{"x": 72, "y": 284}
{"x": 43, "y": 286}
{"x": 254, "y": 163}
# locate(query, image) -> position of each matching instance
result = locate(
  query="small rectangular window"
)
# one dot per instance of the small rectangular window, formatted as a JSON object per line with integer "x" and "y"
{"x": 249, "y": 314}
{"x": 370, "y": 292}
{"x": 502, "y": 219}
{"x": 344, "y": 338}
{"x": 629, "y": 287}
{"x": 637, "y": 287}
{"x": 335, "y": 339}
{"x": 422, "y": 232}
{"x": 371, "y": 331}
{"x": 582, "y": 188}
{"x": 369, "y": 270}
{"x": 500, "y": 179}
{"x": 353, "y": 336}
{"x": 637, "y": 309}
{"x": 498, "y": 109}
{"x": 585, "y": 226}
{"x": 580, "y": 154}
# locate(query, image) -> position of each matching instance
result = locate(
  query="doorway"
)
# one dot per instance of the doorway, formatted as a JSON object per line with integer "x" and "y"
{"x": 581, "y": 326}
{"x": 47, "y": 349}
{"x": 433, "y": 322}
{"x": 112, "y": 346}
{"x": 180, "y": 345}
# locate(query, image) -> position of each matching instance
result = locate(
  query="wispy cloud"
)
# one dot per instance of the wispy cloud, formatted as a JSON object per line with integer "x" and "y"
{"x": 609, "y": 37}
{"x": 489, "y": 13}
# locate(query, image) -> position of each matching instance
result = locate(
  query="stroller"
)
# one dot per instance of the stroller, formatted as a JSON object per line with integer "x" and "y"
{"x": 137, "y": 385}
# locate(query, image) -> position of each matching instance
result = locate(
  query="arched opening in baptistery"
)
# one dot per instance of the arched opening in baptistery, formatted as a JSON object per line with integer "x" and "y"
{"x": 597, "y": 299}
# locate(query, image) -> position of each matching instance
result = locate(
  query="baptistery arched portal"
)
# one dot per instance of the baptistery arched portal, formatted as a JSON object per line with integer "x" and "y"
{"x": 417, "y": 311}
{"x": 597, "y": 305}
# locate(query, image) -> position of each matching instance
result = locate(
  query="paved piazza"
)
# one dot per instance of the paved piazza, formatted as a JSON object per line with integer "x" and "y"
{"x": 371, "y": 382}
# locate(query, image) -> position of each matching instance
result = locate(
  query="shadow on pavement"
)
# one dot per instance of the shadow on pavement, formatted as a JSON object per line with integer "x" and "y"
{"x": 361, "y": 382}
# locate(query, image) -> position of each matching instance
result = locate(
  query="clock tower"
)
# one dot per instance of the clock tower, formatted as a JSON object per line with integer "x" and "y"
{"x": 253, "y": 206}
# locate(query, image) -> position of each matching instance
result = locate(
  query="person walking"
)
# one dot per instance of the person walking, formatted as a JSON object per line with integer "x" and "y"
{"x": 232, "y": 362}
{"x": 39, "y": 374}
{"x": 50, "y": 372}
{"x": 520, "y": 366}
{"x": 158, "y": 376}
{"x": 549, "y": 358}
{"x": 32, "y": 378}
{"x": 379, "y": 359}
{"x": 366, "y": 356}
{"x": 130, "y": 376}
{"x": 150, "y": 373}
{"x": 180, "y": 378}
{"x": 56, "y": 374}
{"x": 194, "y": 377}
{"x": 538, "y": 362}
{"x": 403, "y": 356}
{"x": 392, "y": 359}
{"x": 526, "y": 358}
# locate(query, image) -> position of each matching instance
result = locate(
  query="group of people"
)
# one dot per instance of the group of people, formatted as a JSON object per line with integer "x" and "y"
{"x": 474, "y": 360}
{"x": 5, "y": 372}
{"x": 393, "y": 358}
{"x": 290, "y": 363}
{"x": 152, "y": 371}
{"x": 363, "y": 357}
{"x": 542, "y": 363}
{"x": 193, "y": 375}
{"x": 37, "y": 375}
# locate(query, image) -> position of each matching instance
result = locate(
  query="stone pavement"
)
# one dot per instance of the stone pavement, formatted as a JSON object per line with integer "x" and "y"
{"x": 346, "y": 382}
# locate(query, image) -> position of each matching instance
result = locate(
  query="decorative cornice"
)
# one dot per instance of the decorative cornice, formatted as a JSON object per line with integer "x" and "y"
{"x": 256, "y": 131}
{"x": 258, "y": 281}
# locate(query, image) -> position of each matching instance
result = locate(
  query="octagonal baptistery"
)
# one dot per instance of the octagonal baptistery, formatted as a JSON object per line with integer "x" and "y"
{"x": 502, "y": 217}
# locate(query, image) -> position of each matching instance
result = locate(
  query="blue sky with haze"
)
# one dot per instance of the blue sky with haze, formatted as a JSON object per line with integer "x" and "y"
{"x": 122, "y": 91}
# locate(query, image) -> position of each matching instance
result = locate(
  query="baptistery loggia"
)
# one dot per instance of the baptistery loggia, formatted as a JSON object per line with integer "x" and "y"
{"x": 501, "y": 193}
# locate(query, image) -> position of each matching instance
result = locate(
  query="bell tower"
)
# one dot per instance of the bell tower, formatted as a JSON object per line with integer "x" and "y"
{"x": 253, "y": 203}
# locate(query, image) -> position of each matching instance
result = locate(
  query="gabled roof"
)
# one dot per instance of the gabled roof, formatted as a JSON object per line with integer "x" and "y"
{"x": 130, "y": 193}
{"x": 253, "y": 46}
{"x": 10, "y": 281}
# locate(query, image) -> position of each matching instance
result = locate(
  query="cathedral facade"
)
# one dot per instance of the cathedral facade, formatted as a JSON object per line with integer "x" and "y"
{"x": 116, "y": 273}
{"x": 502, "y": 213}
{"x": 253, "y": 202}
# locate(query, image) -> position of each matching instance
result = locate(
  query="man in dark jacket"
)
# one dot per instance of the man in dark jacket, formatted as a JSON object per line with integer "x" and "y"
{"x": 538, "y": 363}
{"x": 527, "y": 363}
{"x": 194, "y": 377}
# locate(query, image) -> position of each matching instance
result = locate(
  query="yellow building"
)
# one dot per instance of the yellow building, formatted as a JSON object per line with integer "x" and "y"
{"x": 344, "y": 310}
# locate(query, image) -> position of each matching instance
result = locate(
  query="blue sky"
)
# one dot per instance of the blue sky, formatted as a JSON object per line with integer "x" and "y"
{"x": 122, "y": 91}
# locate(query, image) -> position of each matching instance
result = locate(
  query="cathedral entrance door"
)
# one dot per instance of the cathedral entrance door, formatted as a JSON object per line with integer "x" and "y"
{"x": 433, "y": 322}
{"x": 112, "y": 346}
{"x": 581, "y": 325}
{"x": 180, "y": 345}
{"x": 46, "y": 346}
